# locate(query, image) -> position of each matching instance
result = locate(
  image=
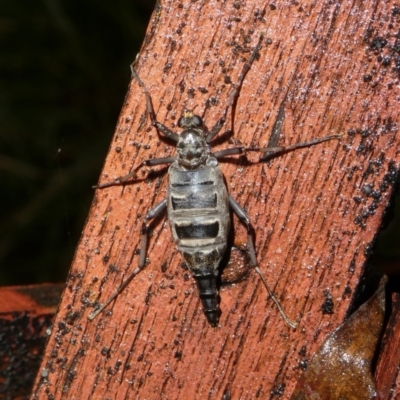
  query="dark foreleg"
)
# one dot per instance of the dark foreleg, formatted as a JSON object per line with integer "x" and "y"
{"x": 149, "y": 105}
{"x": 234, "y": 94}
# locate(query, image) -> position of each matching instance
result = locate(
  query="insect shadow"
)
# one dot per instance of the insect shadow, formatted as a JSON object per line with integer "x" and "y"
{"x": 198, "y": 204}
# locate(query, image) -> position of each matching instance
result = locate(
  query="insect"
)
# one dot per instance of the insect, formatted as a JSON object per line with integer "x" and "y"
{"x": 198, "y": 203}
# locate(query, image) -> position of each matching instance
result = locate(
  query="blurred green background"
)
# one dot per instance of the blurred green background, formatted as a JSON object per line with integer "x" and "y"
{"x": 64, "y": 73}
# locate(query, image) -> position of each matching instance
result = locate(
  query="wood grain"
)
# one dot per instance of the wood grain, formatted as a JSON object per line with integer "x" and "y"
{"x": 316, "y": 211}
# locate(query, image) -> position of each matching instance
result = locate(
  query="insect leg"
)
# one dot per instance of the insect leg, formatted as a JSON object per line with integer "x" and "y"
{"x": 243, "y": 217}
{"x": 235, "y": 92}
{"x": 233, "y": 151}
{"x": 133, "y": 174}
{"x": 149, "y": 105}
{"x": 271, "y": 151}
{"x": 153, "y": 213}
{"x": 281, "y": 149}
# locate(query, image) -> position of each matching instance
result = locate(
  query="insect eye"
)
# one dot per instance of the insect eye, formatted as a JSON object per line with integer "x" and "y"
{"x": 181, "y": 122}
{"x": 197, "y": 121}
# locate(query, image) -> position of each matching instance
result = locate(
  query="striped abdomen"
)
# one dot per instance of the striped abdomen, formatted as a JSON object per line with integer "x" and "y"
{"x": 198, "y": 211}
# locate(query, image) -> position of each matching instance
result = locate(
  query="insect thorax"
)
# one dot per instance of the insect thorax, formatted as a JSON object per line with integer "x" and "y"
{"x": 192, "y": 148}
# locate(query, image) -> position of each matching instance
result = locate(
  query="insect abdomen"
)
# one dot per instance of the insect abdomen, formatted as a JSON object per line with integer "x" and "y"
{"x": 207, "y": 285}
{"x": 198, "y": 207}
{"x": 198, "y": 211}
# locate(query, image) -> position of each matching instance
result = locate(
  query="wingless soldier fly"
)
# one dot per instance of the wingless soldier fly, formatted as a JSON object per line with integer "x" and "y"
{"x": 198, "y": 203}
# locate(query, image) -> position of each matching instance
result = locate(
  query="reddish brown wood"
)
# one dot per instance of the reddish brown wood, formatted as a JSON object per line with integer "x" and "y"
{"x": 315, "y": 211}
{"x": 26, "y": 312}
{"x": 33, "y": 299}
{"x": 387, "y": 371}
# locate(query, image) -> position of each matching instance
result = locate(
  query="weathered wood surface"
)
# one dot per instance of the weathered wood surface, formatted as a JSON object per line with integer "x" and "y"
{"x": 316, "y": 211}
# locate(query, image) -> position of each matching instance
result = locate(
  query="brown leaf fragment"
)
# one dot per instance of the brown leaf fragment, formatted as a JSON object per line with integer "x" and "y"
{"x": 341, "y": 369}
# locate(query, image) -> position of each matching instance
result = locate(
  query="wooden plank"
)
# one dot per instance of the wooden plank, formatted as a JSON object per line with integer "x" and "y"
{"x": 316, "y": 211}
{"x": 387, "y": 371}
{"x": 26, "y": 315}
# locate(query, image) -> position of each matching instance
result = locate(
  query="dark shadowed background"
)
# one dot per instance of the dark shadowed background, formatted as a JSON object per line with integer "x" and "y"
{"x": 64, "y": 72}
